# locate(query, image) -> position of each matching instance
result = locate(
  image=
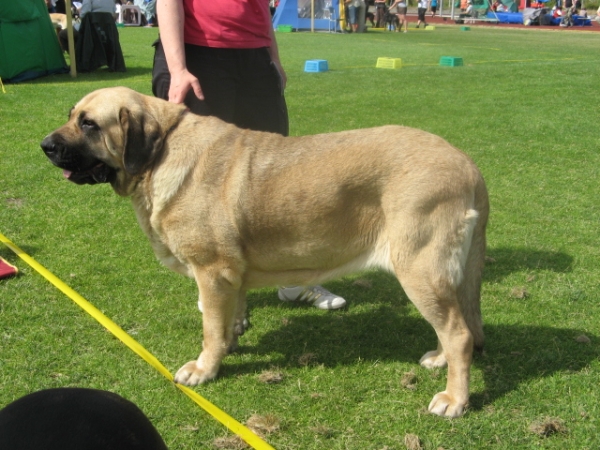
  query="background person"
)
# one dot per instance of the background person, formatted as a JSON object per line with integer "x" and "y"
{"x": 421, "y": 11}
{"x": 469, "y": 10}
{"x": 86, "y": 7}
{"x": 433, "y": 7}
{"x": 401, "y": 8}
{"x": 51, "y": 5}
{"x": 353, "y": 8}
{"x": 380, "y": 8}
{"x": 220, "y": 60}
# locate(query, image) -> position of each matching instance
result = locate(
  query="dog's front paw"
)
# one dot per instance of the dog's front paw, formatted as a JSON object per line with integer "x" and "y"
{"x": 444, "y": 405}
{"x": 191, "y": 375}
{"x": 433, "y": 359}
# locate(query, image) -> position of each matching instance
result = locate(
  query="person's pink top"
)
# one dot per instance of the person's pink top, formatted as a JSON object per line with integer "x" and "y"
{"x": 227, "y": 23}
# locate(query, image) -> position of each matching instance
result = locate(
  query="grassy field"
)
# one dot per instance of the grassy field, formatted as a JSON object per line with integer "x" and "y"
{"x": 524, "y": 106}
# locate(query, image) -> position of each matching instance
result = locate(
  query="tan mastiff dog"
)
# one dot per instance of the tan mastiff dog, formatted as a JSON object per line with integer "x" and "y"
{"x": 238, "y": 209}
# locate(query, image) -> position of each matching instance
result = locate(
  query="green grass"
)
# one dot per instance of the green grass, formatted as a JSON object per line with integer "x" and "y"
{"x": 524, "y": 107}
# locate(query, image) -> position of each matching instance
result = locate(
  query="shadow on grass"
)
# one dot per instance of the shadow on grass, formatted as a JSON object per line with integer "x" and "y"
{"x": 514, "y": 354}
{"x": 383, "y": 288}
{"x": 507, "y": 260}
{"x": 102, "y": 74}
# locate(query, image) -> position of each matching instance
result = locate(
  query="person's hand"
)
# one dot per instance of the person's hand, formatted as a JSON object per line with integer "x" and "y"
{"x": 282, "y": 74}
{"x": 181, "y": 83}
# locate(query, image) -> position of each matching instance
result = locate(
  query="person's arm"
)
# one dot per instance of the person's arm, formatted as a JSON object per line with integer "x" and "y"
{"x": 171, "y": 19}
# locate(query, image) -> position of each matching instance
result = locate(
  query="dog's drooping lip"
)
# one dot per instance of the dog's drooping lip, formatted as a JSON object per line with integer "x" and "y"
{"x": 101, "y": 173}
{"x": 76, "y": 167}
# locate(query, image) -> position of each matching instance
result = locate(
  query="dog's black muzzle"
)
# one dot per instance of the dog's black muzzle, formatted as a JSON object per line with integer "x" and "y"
{"x": 77, "y": 166}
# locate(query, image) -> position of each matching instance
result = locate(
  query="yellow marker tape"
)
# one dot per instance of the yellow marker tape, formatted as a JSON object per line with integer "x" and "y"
{"x": 252, "y": 439}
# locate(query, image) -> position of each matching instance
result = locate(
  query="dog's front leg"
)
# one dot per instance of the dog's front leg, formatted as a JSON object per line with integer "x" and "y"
{"x": 219, "y": 289}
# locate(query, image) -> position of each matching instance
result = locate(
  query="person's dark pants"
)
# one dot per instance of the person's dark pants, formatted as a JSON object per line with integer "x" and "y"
{"x": 240, "y": 86}
{"x": 379, "y": 16}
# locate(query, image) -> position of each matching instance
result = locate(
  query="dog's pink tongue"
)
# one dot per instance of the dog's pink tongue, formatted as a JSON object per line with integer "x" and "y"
{"x": 67, "y": 173}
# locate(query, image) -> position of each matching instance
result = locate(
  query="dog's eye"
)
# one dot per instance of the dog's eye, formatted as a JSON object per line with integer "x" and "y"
{"x": 89, "y": 124}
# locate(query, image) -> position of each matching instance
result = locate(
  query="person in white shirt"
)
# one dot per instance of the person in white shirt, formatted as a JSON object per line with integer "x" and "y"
{"x": 421, "y": 10}
{"x": 469, "y": 10}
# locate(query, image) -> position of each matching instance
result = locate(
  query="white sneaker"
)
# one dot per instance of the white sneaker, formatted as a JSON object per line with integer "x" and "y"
{"x": 316, "y": 295}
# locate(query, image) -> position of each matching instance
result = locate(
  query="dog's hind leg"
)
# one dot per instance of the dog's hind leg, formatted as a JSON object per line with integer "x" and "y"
{"x": 469, "y": 288}
{"x": 219, "y": 288}
{"x": 440, "y": 307}
{"x": 242, "y": 322}
{"x": 433, "y": 276}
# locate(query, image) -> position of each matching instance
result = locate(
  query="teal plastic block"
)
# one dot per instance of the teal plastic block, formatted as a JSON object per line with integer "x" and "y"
{"x": 451, "y": 61}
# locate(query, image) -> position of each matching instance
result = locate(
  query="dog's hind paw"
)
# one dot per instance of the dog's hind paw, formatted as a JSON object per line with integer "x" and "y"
{"x": 241, "y": 326}
{"x": 191, "y": 375}
{"x": 443, "y": 405}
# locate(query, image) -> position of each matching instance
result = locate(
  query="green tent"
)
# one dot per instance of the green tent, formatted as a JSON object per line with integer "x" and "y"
{"x": 29, "y": 47}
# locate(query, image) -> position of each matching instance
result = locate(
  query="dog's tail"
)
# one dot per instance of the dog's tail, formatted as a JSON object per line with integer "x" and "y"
{"x": 469, "y": 290}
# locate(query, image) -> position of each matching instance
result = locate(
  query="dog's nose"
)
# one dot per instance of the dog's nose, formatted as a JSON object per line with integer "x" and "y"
{"x": 50, "y": 147}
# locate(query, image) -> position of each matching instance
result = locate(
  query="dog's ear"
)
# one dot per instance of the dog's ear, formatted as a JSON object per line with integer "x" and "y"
{"x": 143, "y": 139}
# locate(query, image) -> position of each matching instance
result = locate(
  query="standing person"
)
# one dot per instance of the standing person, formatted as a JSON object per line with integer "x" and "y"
{"x": 220, "y": 58}
{"x": 421, "y": 11}
{"x": 87, "y": 6}
{"x": 433, "y": 7}
{"x": 401, "y": 8}
{"x": 353, "y": 7}
{"x": 51, "y": 5}
{"x": 380, "y": 13}
{"x": 148, "y": 8}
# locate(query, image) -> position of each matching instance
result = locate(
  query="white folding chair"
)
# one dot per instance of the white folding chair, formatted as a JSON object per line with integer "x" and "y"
{"x": 329, "y": 14}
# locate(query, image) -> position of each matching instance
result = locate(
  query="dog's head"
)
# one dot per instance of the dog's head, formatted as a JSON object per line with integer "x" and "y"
{"x": 112, "y": 136}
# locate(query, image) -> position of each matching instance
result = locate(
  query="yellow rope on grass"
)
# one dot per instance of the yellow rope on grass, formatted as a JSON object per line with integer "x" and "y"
{"x": 245, "y": 433}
